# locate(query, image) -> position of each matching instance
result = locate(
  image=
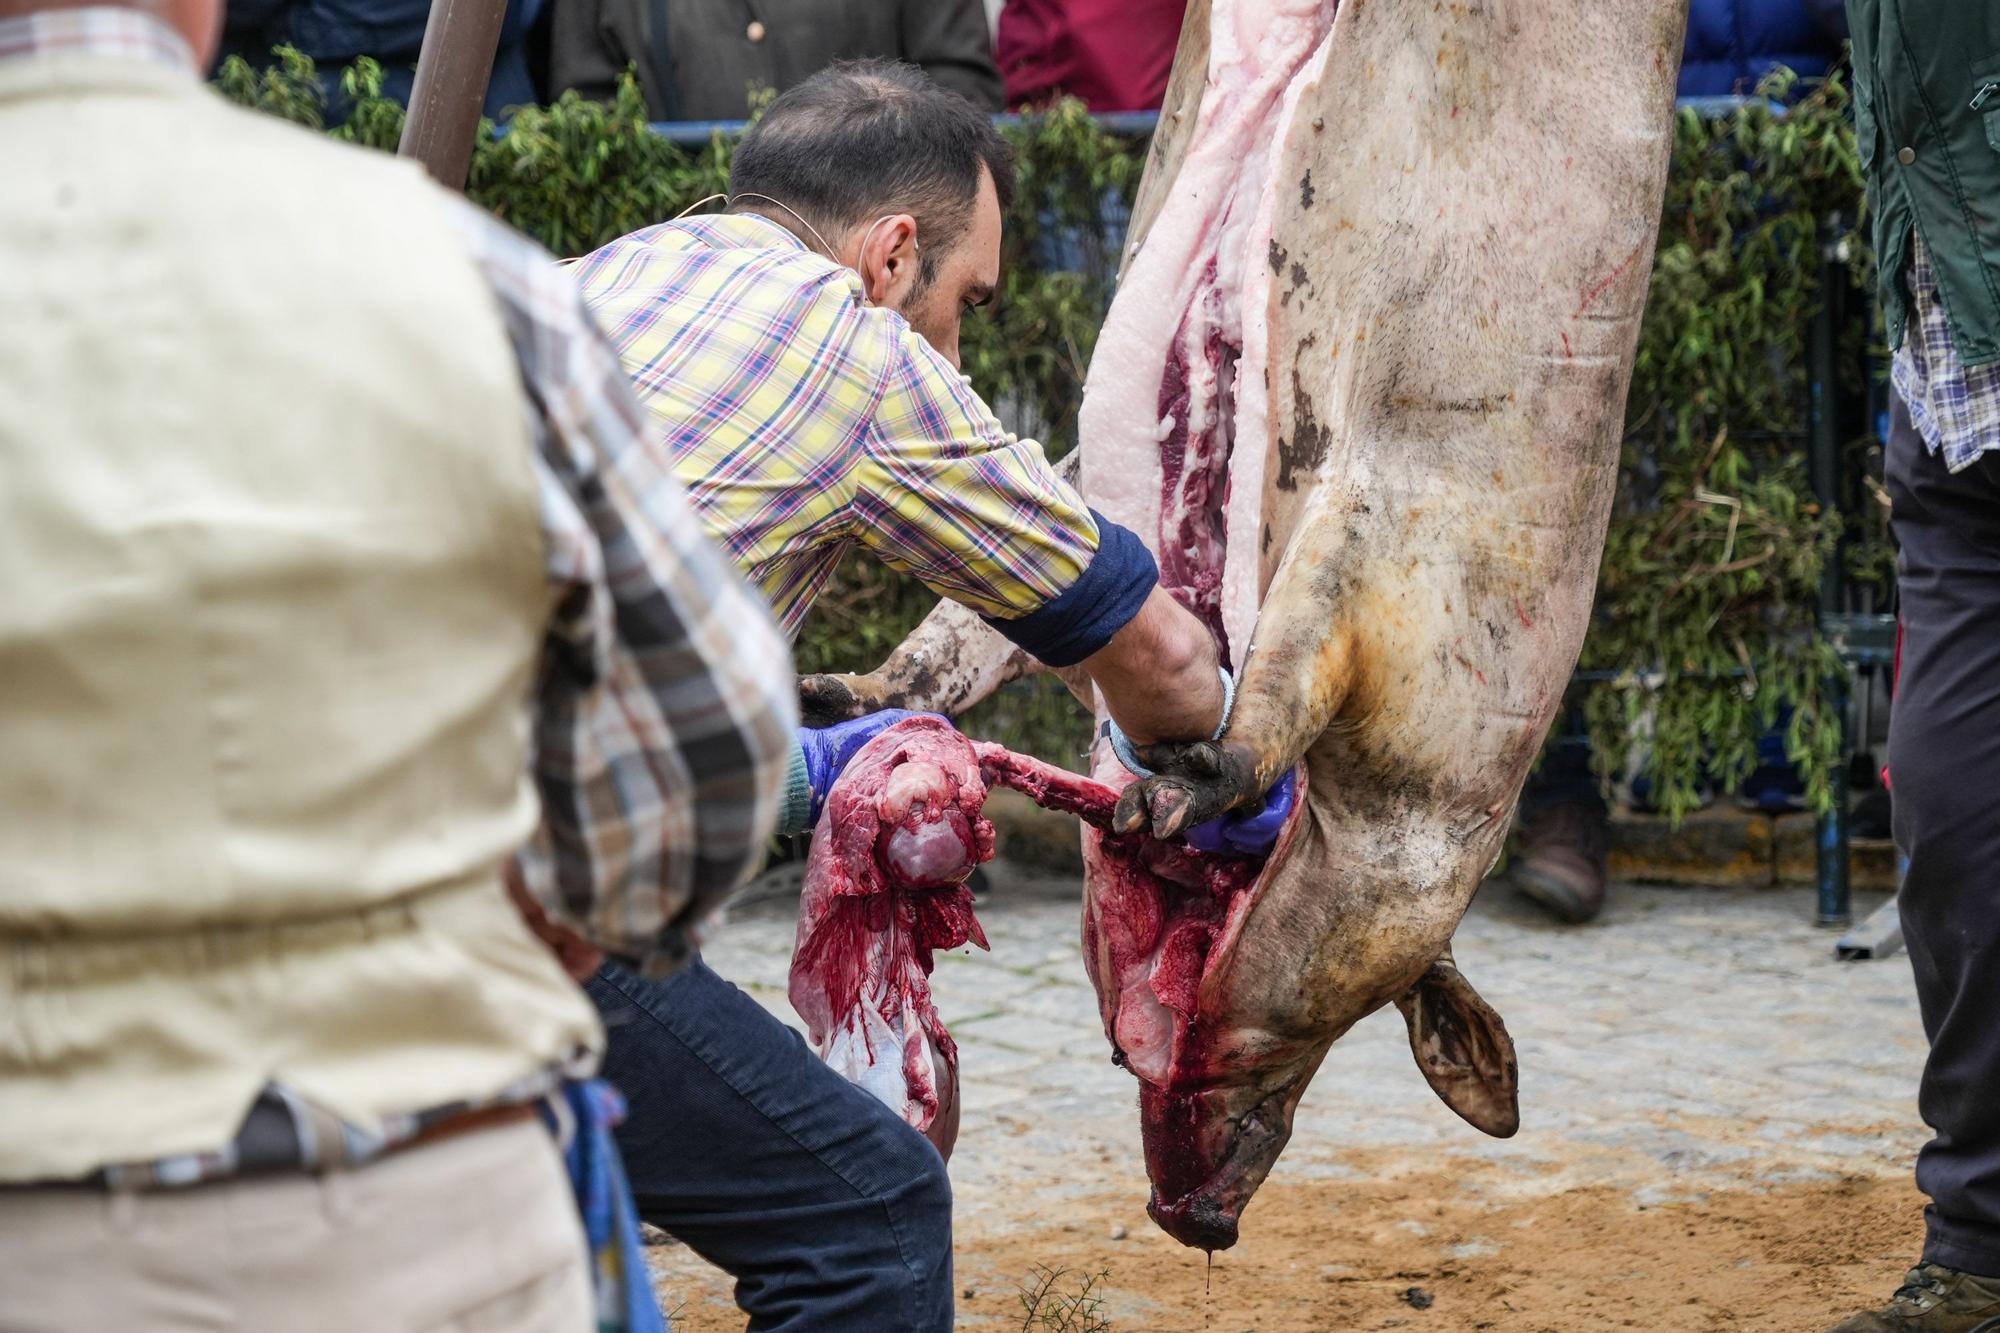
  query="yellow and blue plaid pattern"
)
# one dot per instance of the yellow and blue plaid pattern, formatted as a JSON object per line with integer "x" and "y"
{"x": 801, "y": 421}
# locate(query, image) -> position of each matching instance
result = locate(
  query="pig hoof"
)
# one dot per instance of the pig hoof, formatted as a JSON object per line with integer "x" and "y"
{"x": 825, "y": 700}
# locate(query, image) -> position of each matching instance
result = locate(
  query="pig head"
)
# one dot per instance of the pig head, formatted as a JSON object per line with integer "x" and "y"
{"x": 1362, "y": 391}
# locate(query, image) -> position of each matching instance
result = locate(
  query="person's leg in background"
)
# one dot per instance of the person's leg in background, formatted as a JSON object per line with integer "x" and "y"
{"x": 1564, "y": 838}
{"x": 1944, "y": 751}
{"x": 829, "y": 1211}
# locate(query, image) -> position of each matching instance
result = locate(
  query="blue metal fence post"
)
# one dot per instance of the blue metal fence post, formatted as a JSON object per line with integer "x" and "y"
{"x": 1835, "y": 908}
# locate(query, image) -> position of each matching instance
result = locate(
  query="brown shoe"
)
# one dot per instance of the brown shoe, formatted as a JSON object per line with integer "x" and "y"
{"x": 1563, "y": 850}
{"x": 1934, "y": 1299}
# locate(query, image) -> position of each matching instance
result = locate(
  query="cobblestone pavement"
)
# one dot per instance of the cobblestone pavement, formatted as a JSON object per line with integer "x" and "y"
{"x": 1691, "y": 1039}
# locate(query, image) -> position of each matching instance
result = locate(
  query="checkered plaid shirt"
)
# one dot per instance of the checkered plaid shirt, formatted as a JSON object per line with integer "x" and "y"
{"x": 665, "y": 707}
{"x": 802, "y": 421}
{"x": 1955, "y": 408}
{"x": 665, "y": 714}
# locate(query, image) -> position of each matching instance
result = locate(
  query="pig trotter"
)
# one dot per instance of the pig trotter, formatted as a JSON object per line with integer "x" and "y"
{"x": 827, "y": 699}
{"x": 1191, "y": 784}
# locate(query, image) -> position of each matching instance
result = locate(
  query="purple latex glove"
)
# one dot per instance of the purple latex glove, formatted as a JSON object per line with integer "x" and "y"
{"x": 1248, "y": 830}
{"x": 828, "y": 750}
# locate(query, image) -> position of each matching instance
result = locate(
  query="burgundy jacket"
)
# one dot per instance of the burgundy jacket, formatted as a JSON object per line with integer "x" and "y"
{"x": 1114, "y": 54}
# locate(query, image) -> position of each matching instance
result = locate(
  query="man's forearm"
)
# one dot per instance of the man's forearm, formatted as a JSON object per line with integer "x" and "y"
{"x": 1158, "y": 675}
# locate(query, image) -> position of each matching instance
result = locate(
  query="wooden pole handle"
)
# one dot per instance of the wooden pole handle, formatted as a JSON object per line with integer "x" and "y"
{"x": 453, "y": 68}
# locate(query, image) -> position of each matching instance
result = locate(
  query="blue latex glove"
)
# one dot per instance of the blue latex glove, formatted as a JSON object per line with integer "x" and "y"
{"x": 1249, "y": 830}
{"x": 828, "y": 750}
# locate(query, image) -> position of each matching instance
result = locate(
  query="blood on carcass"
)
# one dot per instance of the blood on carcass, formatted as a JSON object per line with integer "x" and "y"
{"x": 885, "y": 890}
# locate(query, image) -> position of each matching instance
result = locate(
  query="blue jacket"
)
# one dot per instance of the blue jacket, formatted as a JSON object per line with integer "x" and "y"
{"x": 334, "y": 32}
{"x": 1731, "y": 44}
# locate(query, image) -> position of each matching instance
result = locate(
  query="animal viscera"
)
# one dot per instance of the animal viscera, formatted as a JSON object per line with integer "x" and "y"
{"x": 885, "y": 890}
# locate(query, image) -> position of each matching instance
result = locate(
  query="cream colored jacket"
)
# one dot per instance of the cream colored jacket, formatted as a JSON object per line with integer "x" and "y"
{"x": 271, "y": 599}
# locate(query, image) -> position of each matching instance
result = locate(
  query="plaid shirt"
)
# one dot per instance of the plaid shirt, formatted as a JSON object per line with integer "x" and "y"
{"x": 1955, "y": 408}
{"x": 664, "y": 722}
{"x": 117, "y": 34}
{"x": 664, "y": 710}
{"x": 801, "y": 421}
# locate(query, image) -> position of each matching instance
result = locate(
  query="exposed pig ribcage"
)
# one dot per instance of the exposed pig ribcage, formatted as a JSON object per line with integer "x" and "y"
{"x": 1175, "y": 412}
{"x": 1198, "y": 422}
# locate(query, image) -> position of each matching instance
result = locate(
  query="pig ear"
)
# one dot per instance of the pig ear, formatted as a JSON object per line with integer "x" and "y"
{"x": 1463, "y": 1049}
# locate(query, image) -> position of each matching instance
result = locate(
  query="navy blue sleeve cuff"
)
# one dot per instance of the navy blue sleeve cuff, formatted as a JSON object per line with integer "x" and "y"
{"x": 1083, "y": 617}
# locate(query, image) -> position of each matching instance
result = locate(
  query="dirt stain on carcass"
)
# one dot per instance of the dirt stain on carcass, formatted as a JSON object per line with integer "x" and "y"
{"x": 1302, "y": 454}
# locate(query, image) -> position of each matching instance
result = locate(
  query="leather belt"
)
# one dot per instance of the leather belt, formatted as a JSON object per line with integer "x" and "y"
{"x": 466, "y": 1122}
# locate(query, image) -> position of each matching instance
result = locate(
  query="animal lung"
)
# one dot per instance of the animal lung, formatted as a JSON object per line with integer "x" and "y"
{"x": 884, "y": 890}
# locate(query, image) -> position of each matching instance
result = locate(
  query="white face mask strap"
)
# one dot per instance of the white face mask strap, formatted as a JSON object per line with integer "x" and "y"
{"x": 869, "y": 235}
{"x": 779, "y": 203}
{"x": 697, "y": 204}
{"x": 826, "y": 249}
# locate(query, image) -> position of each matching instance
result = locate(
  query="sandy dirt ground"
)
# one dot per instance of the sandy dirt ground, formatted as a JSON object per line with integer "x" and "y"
{"x": 1433, "y": 1251}
{"x": 1427, "y": 1252}
{"x": 1718, "y": 1127}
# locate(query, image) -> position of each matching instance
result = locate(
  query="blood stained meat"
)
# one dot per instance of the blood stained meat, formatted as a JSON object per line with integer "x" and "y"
{"x": 885, "y": 890}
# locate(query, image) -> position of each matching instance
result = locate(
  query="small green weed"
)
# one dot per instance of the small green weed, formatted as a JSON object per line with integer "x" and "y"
{"x": 1057, "y": 1300}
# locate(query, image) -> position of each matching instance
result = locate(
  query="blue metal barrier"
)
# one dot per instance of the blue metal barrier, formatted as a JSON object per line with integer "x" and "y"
{"x": 699, "y": 133}
{"x": 1124, "y": 124}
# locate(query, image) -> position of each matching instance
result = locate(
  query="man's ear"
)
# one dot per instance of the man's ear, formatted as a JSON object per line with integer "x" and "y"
{"x": 1463, "y": 1049}
{"x": 887, "y": 259}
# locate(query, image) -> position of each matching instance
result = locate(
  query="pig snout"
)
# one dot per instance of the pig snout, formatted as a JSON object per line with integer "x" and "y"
{"x": 1207, "y": 1151}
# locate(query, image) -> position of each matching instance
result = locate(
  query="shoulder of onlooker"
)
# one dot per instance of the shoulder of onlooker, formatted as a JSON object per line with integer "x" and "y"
{"x": 533, "y": 288}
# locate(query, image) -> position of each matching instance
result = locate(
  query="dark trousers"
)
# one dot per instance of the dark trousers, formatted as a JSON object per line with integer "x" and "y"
{"x": 829, "y": 1211}
{"x": 1944, "y": 761}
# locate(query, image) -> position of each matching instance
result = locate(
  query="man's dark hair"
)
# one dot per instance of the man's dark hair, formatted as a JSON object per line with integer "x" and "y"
{"x": 864, "y": 138}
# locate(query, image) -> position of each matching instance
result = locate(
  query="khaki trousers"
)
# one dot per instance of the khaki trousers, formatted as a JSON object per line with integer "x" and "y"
{"x": 475, "y": 1232}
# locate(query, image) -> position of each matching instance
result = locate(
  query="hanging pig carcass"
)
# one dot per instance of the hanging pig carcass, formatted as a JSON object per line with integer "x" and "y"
{"x": 1362, "y": 390}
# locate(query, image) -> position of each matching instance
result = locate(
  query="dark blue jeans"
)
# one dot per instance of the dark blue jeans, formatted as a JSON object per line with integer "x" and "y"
{"x": 829, "y": 1211}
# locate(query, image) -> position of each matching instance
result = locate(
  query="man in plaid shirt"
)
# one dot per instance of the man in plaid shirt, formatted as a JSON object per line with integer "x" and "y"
{"x": 1927, "y": 113}
{"x": 798, "y": 357}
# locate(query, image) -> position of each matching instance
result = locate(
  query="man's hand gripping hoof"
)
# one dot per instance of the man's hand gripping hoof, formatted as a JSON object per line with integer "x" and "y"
{"x": 1194, "y": 783}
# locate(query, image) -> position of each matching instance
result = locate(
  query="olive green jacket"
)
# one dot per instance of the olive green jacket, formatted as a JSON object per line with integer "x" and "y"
{"x": 1927, "y": 120}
